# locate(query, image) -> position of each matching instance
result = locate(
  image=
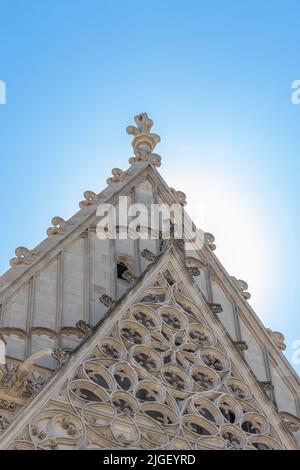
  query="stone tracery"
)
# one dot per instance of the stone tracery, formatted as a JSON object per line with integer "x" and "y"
{"x": 160, "y": 379}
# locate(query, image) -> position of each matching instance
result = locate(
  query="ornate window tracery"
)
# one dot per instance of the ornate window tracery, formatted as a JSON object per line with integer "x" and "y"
{"x": 158, "y": 379}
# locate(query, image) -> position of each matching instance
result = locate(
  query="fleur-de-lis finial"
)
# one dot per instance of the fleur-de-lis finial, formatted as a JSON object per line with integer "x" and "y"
{"x": 144, "y": 141}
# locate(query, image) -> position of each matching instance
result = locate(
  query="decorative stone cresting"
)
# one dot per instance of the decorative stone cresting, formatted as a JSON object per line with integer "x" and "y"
{"x": 277, "y": 338}
{"x": 23, "y": 256}
{"x": 144, "y": 141}
{"x": 90, "y": 198}
{"x": 118, "y": 176}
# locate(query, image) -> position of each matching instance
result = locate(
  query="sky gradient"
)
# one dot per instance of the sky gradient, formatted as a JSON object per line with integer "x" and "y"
{"x": 216, "y": 79}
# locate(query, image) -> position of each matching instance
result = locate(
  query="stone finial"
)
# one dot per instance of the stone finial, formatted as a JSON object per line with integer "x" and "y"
{"x": 144, "y": 141}
{"x": 58, "y": 226}
{"x": 242, "y": 287}
{"x": 90, "y": 198}
{"x": 179, "y": 196}
{"x": 118, "y": 176}
{"x": 277, "y": 338}
{"x": 209, "y": 240}
{"x": 23, "y": 256}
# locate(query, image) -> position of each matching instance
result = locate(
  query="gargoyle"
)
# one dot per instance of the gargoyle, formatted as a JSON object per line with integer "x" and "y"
{"x": 17, "y": 381}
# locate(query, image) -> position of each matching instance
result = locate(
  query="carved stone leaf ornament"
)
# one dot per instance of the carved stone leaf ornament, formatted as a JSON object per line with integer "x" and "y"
{"x": 23, "y": 256}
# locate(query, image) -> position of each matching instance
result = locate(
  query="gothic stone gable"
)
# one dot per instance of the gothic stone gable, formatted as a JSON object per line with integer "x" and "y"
{"x": 159, "y": 373}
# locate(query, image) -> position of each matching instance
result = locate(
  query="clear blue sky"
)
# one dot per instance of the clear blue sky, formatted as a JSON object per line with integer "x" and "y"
{"x": 215, "y": 76}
